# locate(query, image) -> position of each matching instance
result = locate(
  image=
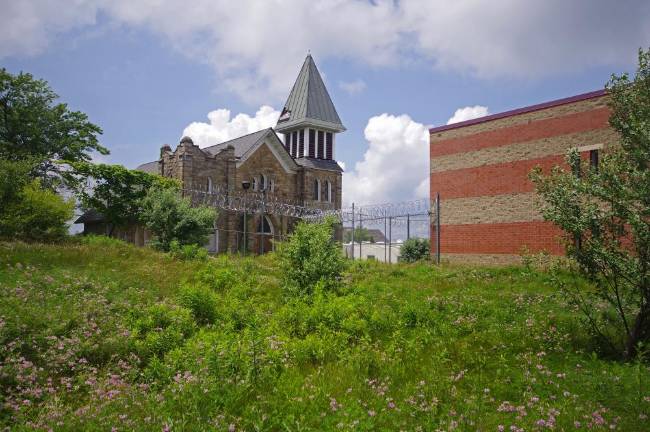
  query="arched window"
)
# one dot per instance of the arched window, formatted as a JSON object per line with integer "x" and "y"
{"x": 328, "y": 191}
{"x": 264, "y": 226}
{"x": 262, "y": 182}
{"x": 208, "y": 185}
{"x": 317, "y": 190}
{"x": 272, "y": 185}
{"x": 254, "y": 183}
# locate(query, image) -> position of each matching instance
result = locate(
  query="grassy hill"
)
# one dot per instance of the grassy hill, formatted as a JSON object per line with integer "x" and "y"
{"x": 99, "y": 335}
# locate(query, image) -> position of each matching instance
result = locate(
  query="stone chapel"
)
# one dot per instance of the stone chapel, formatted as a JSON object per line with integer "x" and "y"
{"x": 300, "y": 168}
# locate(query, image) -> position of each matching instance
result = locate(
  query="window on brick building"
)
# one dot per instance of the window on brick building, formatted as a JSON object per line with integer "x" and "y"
{"x": 263, "y": 183}
{"x": 328, "y": 191}
{"x": 208, "y": 185}
{"x": 255, "y": 183}
{"x": 593, "y": 159}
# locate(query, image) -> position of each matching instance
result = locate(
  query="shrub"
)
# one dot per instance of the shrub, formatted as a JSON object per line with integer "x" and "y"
{"x": 603, "y": 211}
{"x": 201, "y": 302}
{"x": 160, "y": 329}
{"x": 171, "y": 217}
{"x": 415, "y": 249}
{"x": 311, "y": 256}
{"x": 188, "y": 252}
{"x": 36, "y": 214}
{"x": 217, "y": 278}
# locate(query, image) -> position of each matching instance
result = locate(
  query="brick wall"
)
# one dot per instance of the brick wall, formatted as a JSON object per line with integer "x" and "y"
{"x": 489, "y": 210}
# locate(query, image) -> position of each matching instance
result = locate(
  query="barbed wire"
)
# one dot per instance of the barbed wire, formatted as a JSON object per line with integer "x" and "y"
{"x": 269, "y": 202}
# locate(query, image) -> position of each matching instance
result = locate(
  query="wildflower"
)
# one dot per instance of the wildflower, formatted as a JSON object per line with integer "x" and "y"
{"x": 577, "y": 424}
{"x": 231, "y": 427}
{"x": 501, "y": 428}
{"x": 371, "y": 413}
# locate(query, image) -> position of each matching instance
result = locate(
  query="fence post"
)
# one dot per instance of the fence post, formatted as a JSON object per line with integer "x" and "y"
{"x": 360, "y": 234}
{"x": 352, "y": 243}
{"x": 390, "y": 239}
{"x": 408, "y": 226}
{"x": 385, "y": 238}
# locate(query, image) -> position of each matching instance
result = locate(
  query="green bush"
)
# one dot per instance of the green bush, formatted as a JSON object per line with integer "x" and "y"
{"x": 201, "y": 301}
{"x": 35, "y": 214}
{"x": 161, "y": 328}
{"x": 415, "y": 249}
{"x": 311, "y": 256}
{"x": 188, "y": 252}
{"x": 171, "y": 217}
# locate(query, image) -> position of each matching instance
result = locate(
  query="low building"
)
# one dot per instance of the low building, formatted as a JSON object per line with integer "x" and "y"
{"x": 489, "y": 209}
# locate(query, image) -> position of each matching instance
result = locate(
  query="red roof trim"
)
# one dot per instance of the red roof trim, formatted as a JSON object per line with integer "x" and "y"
{"x": 518, "y": 111}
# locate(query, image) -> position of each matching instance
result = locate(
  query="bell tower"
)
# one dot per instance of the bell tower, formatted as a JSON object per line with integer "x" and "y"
{"x": 309, "y": 121}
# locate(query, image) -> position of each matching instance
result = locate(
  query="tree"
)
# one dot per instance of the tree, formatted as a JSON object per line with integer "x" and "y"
{"x": 414, "y": 249}
{"x": 172, "y": 218}
{"x": 360, "y": 235}
{"x": 34, "y": 126}
{"x": 29, "y": 211}
{"x": 605, "y": 213}
{"x": 309, "y": 257}
{"x": 114, "y": 191}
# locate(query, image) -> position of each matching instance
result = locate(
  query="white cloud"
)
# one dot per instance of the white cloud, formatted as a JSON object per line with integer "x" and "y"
{"x": 255, "y": 47}
{"x": 353, "y": 87}
{"x": 468, "y": 113}
{"x": 222, "y": 128}
{"x": 395, "y": 166}
{"x": 27, "y": 27}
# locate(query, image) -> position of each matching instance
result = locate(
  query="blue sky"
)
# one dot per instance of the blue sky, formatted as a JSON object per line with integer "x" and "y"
{"x": 144, "y": 71}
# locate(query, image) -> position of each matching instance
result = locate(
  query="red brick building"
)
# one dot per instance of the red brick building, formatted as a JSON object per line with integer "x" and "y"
{"x": 489, "y": 210}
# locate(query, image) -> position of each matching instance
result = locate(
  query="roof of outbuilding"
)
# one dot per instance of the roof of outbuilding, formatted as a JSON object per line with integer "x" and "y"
{"x": 323, "y": 164}
{"x": 309, "y": 102}
{"x": 90, "y": 216}
{"x": 149, "y": 167}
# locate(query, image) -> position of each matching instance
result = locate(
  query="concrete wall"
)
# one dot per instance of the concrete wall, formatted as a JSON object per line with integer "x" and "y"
{"x": 373, "y": 249}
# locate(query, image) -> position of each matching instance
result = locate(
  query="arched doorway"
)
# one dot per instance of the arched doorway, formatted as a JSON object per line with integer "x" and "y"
{"x": 264, "y": 234}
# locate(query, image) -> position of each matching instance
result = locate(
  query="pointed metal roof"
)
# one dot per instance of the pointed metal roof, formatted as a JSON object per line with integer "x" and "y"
{"x": 309, "y": 103}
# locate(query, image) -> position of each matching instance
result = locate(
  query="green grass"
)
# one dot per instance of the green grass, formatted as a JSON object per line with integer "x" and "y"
{"x": 99, "y": 335}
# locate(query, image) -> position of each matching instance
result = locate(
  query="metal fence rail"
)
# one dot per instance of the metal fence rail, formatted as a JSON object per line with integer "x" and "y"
{"x": 407, "y": 217}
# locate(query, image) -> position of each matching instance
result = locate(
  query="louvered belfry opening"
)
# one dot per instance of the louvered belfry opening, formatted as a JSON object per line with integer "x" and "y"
{"x": 312, "y": 143}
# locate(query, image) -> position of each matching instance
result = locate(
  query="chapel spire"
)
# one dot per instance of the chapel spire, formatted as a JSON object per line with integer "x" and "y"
{"x": 309, "y": 119}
